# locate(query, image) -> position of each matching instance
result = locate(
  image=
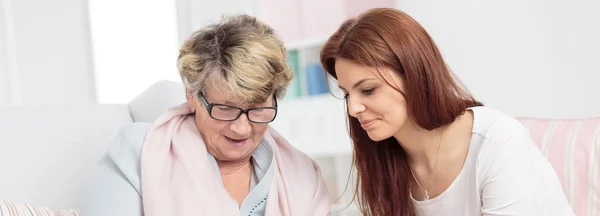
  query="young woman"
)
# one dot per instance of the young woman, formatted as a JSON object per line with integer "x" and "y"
{"x": 422, "y": 144}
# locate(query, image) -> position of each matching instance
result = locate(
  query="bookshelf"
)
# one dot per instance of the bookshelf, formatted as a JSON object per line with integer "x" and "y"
{"x": 314, "y": 121}
{"x": 309, "y": 79}
{"x": 316, "y": 125}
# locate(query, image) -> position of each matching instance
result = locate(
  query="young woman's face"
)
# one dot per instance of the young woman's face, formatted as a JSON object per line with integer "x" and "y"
{"x": 380, "y": 108}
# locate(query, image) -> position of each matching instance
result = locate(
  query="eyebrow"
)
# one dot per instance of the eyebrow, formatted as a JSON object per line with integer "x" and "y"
{"x": 358, "y": 83}
{"x": 229, "y": 103}
{"x": 253, "y": 105}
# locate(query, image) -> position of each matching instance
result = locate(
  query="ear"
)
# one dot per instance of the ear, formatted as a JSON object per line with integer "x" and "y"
{"x": 191, "y": 102}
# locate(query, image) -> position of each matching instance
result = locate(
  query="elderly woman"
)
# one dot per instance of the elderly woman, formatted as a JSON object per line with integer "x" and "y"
{"x": 215, "y": 154}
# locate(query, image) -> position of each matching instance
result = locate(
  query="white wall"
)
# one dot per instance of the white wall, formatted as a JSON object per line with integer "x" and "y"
{"x": 527, "y": 58}
{"x": 195, "y": 14}
{"x": 46, "y": 56}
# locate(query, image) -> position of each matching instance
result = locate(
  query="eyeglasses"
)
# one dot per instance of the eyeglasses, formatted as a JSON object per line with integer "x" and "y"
{"x": 224, "y": 112}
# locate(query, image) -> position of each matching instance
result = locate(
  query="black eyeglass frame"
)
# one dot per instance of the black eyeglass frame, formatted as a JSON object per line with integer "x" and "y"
{"x": 209, "y": 106}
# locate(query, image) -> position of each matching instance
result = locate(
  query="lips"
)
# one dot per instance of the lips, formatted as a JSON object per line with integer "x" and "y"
{"x": 236, "y": 142}
{"x": 367, "y": 123}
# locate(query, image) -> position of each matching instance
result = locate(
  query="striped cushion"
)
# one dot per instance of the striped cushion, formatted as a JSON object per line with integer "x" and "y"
{"x": 20, "y": 209}
{"x": 573, "y": 148}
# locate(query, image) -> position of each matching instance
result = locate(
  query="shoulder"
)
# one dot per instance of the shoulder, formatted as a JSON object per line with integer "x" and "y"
{"x": 130, "y": 137}
{"x": 127, "y": 144}
{"x": 501, "y": 139}
{"x": 497, "y": 135}
{"x": 125, "y": 151}
{"x": 495, "y": 126}
{"x": 115, "y": 186}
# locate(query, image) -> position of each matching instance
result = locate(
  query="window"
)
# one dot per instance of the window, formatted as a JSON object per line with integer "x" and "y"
{"x": 135, "y": 44}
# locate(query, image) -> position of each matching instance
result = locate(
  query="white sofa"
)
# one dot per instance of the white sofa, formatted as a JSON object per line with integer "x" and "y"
{"x": 46, "y": 152}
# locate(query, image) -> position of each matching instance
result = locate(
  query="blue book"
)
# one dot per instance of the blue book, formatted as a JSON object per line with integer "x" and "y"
{"x": 315, "y": 80}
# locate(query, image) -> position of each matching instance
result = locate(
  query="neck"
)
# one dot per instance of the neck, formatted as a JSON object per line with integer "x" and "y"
{"x": 420, "y": 145}
{"x": 228, "y": 168}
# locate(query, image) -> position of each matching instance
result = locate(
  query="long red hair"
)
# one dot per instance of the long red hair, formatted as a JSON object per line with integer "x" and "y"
{"x": 385, "y": 37}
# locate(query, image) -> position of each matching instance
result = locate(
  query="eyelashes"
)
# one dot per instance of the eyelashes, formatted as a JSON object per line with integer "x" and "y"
{"x": 365, "y": 92}
{"x": 368, "y": 92}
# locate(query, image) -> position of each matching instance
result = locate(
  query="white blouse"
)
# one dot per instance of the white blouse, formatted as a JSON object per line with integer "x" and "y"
{"x": 504, "y": 174}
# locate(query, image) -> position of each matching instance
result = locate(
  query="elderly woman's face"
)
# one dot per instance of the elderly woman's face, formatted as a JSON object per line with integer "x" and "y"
{"x": 233, "y": 140}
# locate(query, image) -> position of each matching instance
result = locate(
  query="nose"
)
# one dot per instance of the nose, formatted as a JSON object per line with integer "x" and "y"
{"x": 241, "y": 126}
{"x": 354, "y": 106}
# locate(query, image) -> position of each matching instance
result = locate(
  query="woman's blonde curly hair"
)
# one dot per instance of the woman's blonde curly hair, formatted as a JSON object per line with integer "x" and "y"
{"x": 240, "y": 56}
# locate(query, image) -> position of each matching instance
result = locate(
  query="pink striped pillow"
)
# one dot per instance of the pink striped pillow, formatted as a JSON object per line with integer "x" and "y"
{"x": 22, "y": 209}
{"x": 573, "y": 149}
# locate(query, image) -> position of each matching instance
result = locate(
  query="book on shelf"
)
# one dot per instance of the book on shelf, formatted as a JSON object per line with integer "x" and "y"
{"x": 315, "y": 80}
{"x": 294, "y": 89}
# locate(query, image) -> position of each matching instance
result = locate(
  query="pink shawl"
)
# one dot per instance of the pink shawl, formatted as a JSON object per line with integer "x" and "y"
{"x": 178, "y": 179}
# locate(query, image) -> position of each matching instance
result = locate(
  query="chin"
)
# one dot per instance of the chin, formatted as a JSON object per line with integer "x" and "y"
{"x": 235, "y": 156}
{"x": 233, "y": 153}
{"x": 377, "y": 136}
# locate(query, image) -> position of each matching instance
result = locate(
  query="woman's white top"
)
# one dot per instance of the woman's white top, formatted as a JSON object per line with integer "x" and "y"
{"x": 115, "y": 188}
{"x": 504, "y": 174}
